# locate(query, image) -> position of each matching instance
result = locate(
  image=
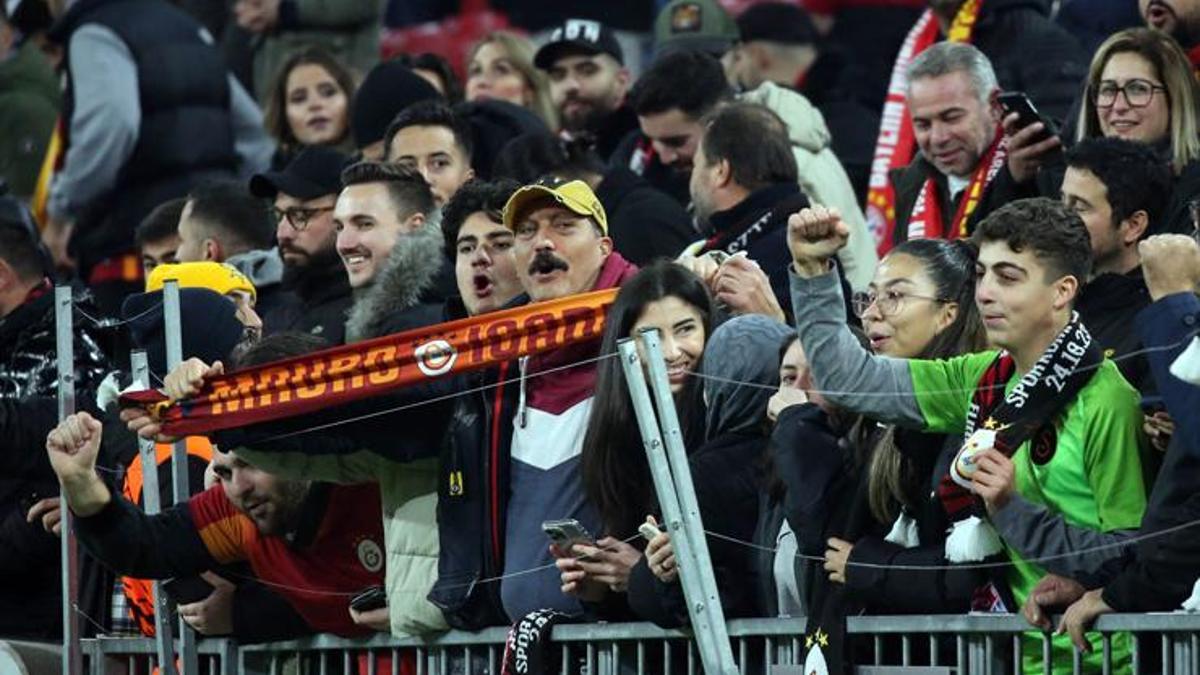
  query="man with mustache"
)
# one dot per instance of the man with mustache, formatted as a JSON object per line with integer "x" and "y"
{"x": 959, "y": 175}
{"x": 303, "y": 194}
{"x": 528, "y": 428}
{"x": 1178, "y": 18}
{"x": 588, "y": 82}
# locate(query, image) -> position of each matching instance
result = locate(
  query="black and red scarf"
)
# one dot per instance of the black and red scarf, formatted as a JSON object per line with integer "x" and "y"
{"x": 1006, "y": 421}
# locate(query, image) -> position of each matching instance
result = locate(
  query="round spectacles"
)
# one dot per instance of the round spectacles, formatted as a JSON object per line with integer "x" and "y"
{"x": 1138, "y": 93}
{"x": 298, "y": 216}
{"x": 888, "y": 303}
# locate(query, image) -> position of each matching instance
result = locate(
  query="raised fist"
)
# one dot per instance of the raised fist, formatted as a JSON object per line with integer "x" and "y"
{"x": 815, "y": 235}
{"x": 1171, "y": 263}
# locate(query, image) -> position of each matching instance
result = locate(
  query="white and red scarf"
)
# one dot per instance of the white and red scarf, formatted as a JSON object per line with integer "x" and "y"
{"x": 927, "y": 220}
{"x": 896, "y": 145}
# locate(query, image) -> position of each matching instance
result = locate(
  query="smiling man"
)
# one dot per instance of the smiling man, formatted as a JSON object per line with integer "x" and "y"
{"x": 1046, "y": 404}
{"x": 959, "y": 176}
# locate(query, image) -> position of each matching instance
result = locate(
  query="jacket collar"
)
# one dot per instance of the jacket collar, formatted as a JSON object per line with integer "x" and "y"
{"x": 763, "y": 199}
{"x": 411, "y": 269}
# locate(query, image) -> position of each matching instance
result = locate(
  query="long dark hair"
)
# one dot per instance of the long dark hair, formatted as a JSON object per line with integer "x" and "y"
{"x": 275, "y": 115}
{"x": 950, "y": 264}
{"x": 615, "y": 473}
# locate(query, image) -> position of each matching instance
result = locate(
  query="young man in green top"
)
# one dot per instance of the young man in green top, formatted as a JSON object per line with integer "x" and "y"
{"x": 1048, "y": 400}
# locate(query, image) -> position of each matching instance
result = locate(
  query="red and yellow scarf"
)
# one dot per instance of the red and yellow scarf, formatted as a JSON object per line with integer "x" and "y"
{"x": 927, "y": 221}
{"x": 336, "y": 376}
{"x": 897, "y": 144}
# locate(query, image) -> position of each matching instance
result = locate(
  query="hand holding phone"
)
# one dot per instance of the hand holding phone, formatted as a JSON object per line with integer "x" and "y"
{"x": 566, "y": 533}
{"x": 1028, "y": 148}
{"x": 186, "y": 590}
{"x": 374, "y": 597}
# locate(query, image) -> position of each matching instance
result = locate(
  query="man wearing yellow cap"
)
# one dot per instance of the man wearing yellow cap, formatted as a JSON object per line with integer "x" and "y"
{"x": 220, "y": 277}
{"x": 561, "y": 248}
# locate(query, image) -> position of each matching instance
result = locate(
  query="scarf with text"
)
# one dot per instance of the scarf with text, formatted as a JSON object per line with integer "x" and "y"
{"x": 336, "y": 376}
{"x": 896, "y": 144}
{"x": 527, "y": 647}
{"x": 1027, "y": 412}
{"x": 927, "y": 221}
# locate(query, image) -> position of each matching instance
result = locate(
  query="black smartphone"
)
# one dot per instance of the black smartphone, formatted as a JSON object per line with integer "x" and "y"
{"x": 1153, "y": 404}
{"x": 1018, "y": 102}
{"x": 186, "y": 590}
{"x": 372, "y": 598}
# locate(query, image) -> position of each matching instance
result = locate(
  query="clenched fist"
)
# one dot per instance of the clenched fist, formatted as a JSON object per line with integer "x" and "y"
{"x": 815, "y": 235}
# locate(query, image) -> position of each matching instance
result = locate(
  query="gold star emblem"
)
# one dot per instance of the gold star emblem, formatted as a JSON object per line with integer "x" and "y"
{"x": 822, "y": 638}
{"x": 808, "y": 642}
{"x": 991, "y": 423}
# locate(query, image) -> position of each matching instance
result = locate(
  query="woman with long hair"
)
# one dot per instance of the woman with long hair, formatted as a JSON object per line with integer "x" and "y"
{"x": 1141, "y": 87}
{"x": 500, "y": 66}
{"x": 615, "y": 473}
{"x": 920, "y": 304}
{"x": 309, "y": 104}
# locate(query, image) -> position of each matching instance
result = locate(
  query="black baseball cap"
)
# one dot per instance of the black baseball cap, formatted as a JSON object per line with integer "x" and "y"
{"x": 315, "y": 172}
{"x": 779, "y": 22}
{"x": 579, "y": 36}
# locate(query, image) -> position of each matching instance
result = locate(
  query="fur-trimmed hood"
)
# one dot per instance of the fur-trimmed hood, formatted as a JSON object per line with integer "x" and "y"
{"x": 410, "y": 271}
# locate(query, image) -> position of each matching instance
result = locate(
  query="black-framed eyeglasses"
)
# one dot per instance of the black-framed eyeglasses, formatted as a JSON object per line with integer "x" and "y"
{"x": 298, "y": 216}
{"x": 1138, "y": 93}
{"x": 888, "y": 303}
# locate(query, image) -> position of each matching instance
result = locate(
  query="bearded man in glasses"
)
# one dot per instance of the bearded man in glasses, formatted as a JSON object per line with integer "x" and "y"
{"x": 304, "y": 194}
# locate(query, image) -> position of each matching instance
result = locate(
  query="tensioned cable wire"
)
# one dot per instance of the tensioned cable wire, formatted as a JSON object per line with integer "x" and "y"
{"x": 114, "y": 323}
{"x": 1124, "y": 543}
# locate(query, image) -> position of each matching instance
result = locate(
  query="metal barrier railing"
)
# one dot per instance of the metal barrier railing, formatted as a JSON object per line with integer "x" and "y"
{"x": 962, "y": 644}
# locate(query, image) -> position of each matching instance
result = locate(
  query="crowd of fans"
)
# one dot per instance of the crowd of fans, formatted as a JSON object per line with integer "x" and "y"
{"x": 925, "y": 296}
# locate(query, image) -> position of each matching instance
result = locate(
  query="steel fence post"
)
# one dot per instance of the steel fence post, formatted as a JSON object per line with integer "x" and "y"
{"x": 179, "y": 460}
{"x": 152, "y": 504}
{"x": 72, "y": 663}
{"x": 673, "y": 484}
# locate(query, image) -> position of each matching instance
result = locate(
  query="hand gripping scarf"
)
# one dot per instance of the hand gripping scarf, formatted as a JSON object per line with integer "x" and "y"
{"x": 897, "y": 144}
{"x": 1027, "y": 412}
{"x": 336, "y": 376}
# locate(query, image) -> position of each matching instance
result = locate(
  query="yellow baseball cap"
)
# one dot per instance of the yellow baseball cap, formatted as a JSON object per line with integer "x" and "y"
{"x": 219, "y": 277}
{"x": 575, "y": 195}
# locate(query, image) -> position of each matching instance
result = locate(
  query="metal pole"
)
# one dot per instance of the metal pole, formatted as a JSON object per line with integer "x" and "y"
{"x": 179, "y": 460}
{"x": 676, "y": 496}
{"x": 72, "y": 663}
{"x": 152, "y": 504}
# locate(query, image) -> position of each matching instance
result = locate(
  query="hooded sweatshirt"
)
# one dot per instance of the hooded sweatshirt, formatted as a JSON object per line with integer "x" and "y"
{"x": 547, "y": 439}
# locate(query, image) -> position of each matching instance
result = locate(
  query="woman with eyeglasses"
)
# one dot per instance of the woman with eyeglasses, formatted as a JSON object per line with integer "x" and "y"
{"x": 1140, "y": 87}
{"x": 873, "y": 510}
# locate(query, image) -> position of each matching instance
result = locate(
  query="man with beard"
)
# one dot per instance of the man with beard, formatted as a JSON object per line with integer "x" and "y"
{"x": 1178, "y": 18}
{"x": 588, "y": 82}
{"x": 304, "y": 194}
{"x": 315, "y": 543}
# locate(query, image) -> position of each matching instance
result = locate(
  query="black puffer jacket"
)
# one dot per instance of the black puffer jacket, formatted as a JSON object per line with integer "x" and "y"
{"x": 29, "y": 563}
{"x": 27, "y": 348}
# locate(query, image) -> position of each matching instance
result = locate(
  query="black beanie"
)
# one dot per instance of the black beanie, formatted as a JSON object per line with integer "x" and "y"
{"x": 208, "y": 324}
{"x": 389, "y": 88}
